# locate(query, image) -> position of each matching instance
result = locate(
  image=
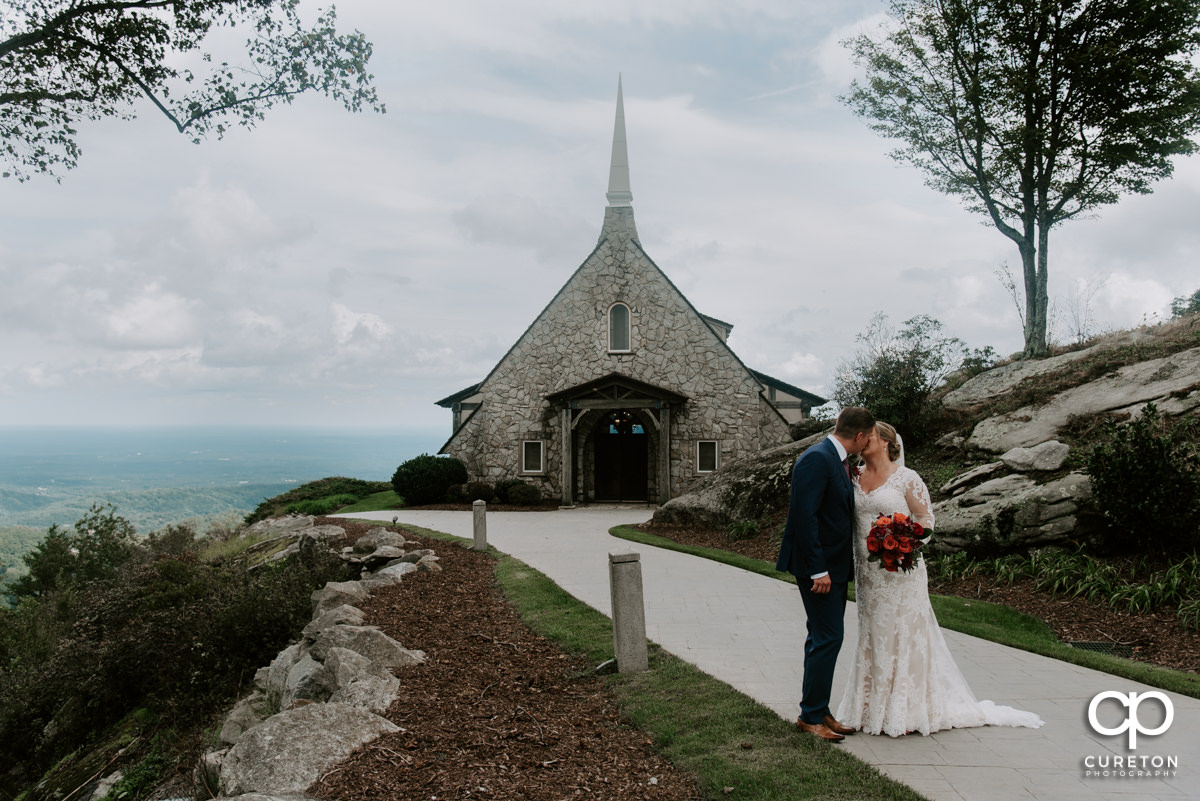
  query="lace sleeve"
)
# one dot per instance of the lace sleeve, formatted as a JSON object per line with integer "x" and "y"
{"x": 917, "y": 495}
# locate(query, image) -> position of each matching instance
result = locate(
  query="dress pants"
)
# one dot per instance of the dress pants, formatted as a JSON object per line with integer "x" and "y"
{"x": 826, "y": 628}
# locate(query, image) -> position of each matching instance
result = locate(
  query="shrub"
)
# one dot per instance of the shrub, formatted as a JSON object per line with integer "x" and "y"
{"x": 503, "y": 486}
{"x": 316, "y": 490}
{"x": 456, "y": 493}
{"x": 522, "y": 494}
{"x": 1146, "y": 485}
{"x": 424, "y": 479}
{"x": 176, "y": 636}
{"x": 479, "y": 491}
{"x": 742, "y": 530}
{"x": 1185, "y": 305}
{"x": 896, "y": 373}
{"x": 321, "y": 506}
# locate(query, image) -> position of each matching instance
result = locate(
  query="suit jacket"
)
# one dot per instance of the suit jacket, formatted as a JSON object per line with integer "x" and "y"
{"x": 820, "y": 523}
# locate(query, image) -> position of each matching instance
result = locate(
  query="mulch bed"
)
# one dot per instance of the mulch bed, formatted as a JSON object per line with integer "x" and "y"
{"x": 495, "y": 711}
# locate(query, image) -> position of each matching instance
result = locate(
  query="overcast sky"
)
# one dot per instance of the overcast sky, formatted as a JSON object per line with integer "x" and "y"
{"x": 329, "y": 268}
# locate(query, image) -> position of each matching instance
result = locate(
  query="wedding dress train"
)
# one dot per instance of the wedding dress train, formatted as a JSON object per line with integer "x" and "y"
{"x": 903, "y": 678}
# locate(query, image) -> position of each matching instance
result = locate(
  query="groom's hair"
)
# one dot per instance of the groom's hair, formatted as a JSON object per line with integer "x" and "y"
{"x": 853, "y": 420}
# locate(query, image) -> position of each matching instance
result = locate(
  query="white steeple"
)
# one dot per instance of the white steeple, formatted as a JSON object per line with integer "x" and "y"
{"x": 618, "y": 174}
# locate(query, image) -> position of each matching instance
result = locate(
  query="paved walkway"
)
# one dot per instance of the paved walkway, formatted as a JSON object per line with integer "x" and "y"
{"x": 748, "y": 631}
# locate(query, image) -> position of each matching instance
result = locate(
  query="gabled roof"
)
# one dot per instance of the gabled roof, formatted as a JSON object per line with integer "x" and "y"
{"x": 450, "y": 400}
{"x": 615, "y": 381}
{"x": 803, "y": 394}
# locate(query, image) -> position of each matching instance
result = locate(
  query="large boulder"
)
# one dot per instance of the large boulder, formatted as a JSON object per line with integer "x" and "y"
{"x": 744, "y": 490}
{"x": 368, "y": 641}
{"x": 291, "y": 750}
{"x": 1171, "y": 382}
{"x": 1011, "y": 513}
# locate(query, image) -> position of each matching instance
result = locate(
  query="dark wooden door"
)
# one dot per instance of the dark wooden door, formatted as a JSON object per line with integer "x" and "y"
{"x": 621, "y": 458}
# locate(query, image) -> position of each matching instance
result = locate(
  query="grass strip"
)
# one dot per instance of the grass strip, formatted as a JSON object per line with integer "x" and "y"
{"x": 736, "y": 747}
{"x": 988, "y": 621}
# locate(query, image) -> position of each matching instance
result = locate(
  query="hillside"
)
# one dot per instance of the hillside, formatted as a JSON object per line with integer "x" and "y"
{"x": 984, "y": 429}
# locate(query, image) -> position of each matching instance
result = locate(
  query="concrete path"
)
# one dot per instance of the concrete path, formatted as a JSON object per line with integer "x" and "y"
{"x": 748, "y": 631}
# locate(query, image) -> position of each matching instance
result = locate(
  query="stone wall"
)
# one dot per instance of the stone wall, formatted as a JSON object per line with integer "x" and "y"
{"x": 567, "y": 345}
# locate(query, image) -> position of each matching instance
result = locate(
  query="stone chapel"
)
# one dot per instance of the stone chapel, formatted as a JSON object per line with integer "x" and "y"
{"x": 619, "y": 390}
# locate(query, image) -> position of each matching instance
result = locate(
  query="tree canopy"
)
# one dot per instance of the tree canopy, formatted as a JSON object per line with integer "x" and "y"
{"x": 1034, "y": 112}
{"x": 63, "y": 61}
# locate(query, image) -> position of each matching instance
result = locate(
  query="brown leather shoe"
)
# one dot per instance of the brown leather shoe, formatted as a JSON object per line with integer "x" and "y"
{"x": 819, "y": 730}
{"x": 832, "y": 724}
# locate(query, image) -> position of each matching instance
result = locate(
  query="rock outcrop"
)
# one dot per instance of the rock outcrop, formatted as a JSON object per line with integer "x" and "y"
{"x": 324, "y": 695}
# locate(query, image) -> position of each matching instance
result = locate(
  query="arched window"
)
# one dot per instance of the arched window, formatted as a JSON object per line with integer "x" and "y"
{"x": 619, "y": 328}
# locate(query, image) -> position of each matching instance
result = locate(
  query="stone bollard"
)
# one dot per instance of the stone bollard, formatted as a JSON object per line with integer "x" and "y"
{"x": 628, "y": 612}
{"x": 479, "y": 508}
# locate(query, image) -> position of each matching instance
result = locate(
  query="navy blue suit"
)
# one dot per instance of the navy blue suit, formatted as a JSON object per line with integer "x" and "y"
{"x": 818, "y": 539}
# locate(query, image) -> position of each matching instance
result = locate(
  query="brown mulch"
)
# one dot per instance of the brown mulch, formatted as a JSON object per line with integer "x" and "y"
{"x": 495, "y": 711}
{"x": 1158, "y": 637}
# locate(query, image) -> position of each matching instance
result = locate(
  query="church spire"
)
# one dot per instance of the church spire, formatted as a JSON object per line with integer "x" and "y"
{"x": 618, "y": 174}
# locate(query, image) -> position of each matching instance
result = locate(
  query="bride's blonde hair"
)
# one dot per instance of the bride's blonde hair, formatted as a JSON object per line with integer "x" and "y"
{"x": 887, "y": 433}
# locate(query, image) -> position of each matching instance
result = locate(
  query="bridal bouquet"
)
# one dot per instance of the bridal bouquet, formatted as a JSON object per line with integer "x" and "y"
{"x": 894, "y": 542}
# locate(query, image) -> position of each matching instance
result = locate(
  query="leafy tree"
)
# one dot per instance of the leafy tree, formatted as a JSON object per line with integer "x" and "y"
{"x": 62, "y": 61}
{"x": 1034, "y": 112}
{"x": 896, "y": 372}
{"x": 103, "y": 541}
{"x": 1183, "y": 306}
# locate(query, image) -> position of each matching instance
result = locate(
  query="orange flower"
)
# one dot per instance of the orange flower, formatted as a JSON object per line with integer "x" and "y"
{"x": 900, "y": 518}
{"x": 883, "y": 520}
{"x": 905, "y": 545}
{"x": 889, "y": 543}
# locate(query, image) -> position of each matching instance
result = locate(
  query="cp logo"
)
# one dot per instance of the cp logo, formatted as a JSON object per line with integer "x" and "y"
{"x": 1131, "y": 723}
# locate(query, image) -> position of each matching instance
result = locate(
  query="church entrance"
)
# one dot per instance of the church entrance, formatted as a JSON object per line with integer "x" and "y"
{"x": 622, "y": 454}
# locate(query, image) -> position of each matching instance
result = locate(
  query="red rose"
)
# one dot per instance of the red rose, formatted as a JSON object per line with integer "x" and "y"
{"x": 889, "y": 543}
{"x": 883, "y": 520}
{"x": 905, "y": 545}
{"x": 872, "y": 544}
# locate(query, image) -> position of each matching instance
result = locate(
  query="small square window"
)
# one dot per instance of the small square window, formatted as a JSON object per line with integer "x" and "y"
{"x": 531, "y": 456}
{"x": 706, "y": 456}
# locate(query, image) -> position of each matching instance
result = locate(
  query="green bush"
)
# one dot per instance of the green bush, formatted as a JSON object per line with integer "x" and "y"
{"x": 1146, "y": 485}
{"x": 503, "y": 486}
{"x": 316, "y": 490}
{"x": 176, "y": 636}
{"x": 1185, "y": 305}
{"x": 321, "y": 506}
{"x": 479, "y": 491}
{"x": 522, "y": 494}
{"x": 424, "y": 479}
{"x": 742, "y": 530}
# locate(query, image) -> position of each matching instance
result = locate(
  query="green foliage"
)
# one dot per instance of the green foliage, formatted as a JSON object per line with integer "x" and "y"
{"x": 64, "y": 61}
{"x": 1186, "y": 305}
{"x": 321, "y": 506}
{"x": 742, "y": 530}
{"x": 896, "y": 372}
{"x": 102, "y": 542}
{"x": 212, "y": 626}
{"x": 1146, "y": 484}
{"x": 478, "y": 491}
{"x": 523, "y": 494}
{"x": 502, "y": 487}
{"x": 1134, "y": 584}
{"x": 423, "y": 480}
{"x": 323, "y": 488}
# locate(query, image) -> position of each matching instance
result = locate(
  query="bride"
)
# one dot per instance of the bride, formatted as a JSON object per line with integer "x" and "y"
{"x": 903, "y": 679}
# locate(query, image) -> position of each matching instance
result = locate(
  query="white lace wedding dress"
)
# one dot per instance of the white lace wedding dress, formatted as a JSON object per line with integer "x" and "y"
{"x": 904, "y": 679}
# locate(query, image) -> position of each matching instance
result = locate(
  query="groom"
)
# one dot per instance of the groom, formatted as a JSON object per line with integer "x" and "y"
{"x": 817, "y": 550}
